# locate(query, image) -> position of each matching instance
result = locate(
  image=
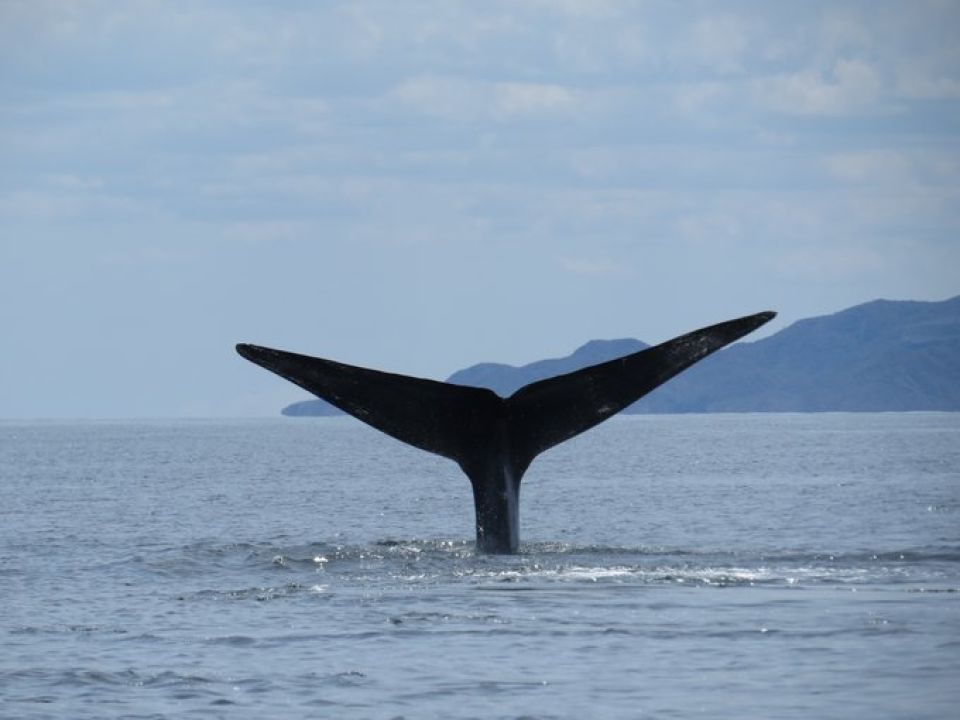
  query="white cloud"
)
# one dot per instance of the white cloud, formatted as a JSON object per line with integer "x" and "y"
{"x": 845, "y": 30}
{"x": 720, "y": 42}
{"x": 581, "y": 8}
{"x": 150, "y": 255}
{"x": 527, "y": 98}
{"x": 267, "y": 231}
{"x": 61, "y": 205}
{"x": 465, "y": 99}
{"x": 593, "y": 266}
{"x": 694, "y": 98}
{"x": 710, "y": 227}
{"x": 831, "y": 264}
{"x": 449, "y": 97}
{"x": 910, "y": 170}
{"x": 73, "y": 182}
{"x": 851, "y": 86}
{"x": 873, "y": 166}
{"x": 918, "y": 83}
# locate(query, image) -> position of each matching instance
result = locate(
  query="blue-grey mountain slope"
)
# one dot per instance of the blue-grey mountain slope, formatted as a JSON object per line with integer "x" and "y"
{"x": 880, "y": 356}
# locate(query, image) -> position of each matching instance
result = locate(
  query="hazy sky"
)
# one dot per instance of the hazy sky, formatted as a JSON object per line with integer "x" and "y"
{"x": 419, "y": 186}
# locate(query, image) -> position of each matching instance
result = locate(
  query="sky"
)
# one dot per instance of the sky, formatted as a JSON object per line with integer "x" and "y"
{"x": 420, "y": 186}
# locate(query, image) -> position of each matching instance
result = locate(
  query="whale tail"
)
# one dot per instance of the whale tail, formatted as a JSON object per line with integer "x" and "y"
{"x": 495, "y": 439}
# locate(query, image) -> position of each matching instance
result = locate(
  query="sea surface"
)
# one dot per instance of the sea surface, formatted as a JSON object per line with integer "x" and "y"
{"x": 715, "y": 566}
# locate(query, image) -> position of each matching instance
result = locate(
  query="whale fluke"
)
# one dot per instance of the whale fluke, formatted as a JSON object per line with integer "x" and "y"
{"x": 495, "y": 439}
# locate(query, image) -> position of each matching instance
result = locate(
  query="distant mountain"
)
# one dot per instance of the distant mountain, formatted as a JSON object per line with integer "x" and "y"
{"x": 311, "y": 408}
{"x": 507, "y": 379}
{"x": 880, "y": 356}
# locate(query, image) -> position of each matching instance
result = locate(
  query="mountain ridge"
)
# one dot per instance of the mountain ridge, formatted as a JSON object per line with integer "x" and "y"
{"x": 882, "y": 355}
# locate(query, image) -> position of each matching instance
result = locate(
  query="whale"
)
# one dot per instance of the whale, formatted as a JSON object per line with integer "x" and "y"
{"x": 494, "y": 439}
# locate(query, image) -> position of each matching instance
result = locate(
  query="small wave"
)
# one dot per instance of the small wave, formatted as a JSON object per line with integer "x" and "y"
{"x": 258, "y": 593}
{"x": 231, "y": 640}
{"x": 348, "y": 678}
{"x": 80, "y": 678}
{"x": 443, "y": 618}
{"x": 66, "y": 630}
{"x": 864, "y": 556}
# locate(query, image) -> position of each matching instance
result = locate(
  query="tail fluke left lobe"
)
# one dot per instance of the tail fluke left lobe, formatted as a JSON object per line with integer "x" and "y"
{"x": 437, "y": 417}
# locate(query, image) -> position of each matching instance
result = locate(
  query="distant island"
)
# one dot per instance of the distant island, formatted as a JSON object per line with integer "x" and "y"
{"x": 880, "y": 356}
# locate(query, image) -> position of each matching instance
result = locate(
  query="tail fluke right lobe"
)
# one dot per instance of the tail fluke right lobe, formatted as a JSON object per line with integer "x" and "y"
{"x": 546, "y": 413}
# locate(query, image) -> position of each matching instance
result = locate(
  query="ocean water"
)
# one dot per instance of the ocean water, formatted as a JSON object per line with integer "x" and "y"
{"x": 750, "y": 566}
